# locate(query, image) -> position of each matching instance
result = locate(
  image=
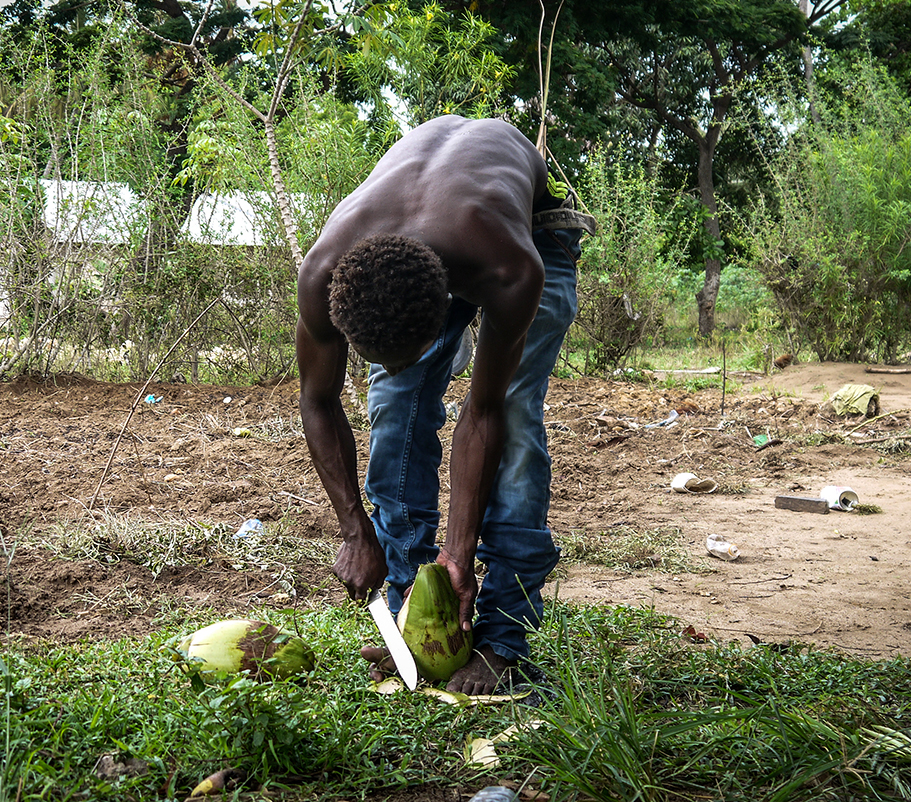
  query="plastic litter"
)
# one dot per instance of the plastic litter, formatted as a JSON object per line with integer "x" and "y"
{"x": 719, "y": 547}
{"x": 494, "y": 793}
{"x": 690, "y": 483}
{"x": 252, "y": 526}
{"x": 839, "y": 497}
{"x": 856, "y": 399}
{"x": 668, "y": 421}
{"x": 151, "y": 399}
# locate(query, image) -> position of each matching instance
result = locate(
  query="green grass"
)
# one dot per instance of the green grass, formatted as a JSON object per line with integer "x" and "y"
{"x": 330, "y": 736}
{"x": 642, "y": 715}
{"x": 179, "y": 541}
{"x": 636, "y": 713}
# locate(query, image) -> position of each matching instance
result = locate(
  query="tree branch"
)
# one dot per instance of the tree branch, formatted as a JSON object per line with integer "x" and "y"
{"x": 822, "y": 9}
{"x": 201, "y": 24}
{"x": 201, "y": 59}
{"x": 717, "y": 62}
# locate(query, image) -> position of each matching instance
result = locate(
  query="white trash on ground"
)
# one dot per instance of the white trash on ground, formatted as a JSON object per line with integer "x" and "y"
{"x": 839, "y": 497}
{"x": 690, "y": 483}
{"x": 719, "y": 547}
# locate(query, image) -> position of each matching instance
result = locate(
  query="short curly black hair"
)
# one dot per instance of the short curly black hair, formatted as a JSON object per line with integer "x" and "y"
{"x": 388, "y": 294}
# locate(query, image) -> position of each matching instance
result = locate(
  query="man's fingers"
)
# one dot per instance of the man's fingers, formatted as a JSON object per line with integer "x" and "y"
{"x": 355, "y": 591}
{"x": 466, "y": 611}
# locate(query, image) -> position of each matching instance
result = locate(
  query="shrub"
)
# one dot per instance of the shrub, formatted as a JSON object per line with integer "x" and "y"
{"x": 834, "y": 241}
{"x": 626, "y": 266}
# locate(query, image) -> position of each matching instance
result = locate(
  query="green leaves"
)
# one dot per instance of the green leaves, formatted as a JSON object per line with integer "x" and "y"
{"x": 837, "y": 257}
{"x": 432, "y": 61}
{"x": 638, "y": 716}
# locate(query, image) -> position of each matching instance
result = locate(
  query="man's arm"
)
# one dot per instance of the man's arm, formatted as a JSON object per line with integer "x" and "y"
{"x": 361, "y": 564}
{"x": 477, "y": 442}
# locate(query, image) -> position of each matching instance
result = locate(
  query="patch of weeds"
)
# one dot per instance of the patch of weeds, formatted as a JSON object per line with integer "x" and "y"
{"x": 811, "y": 439}
{"x": 774, "y": 393}
{"x": 172, "y": 612}
{"x": 176, "y": 542}
{"x": 120, "y": 602}
{"x": 733, "y": 487}
{"x": 632, "y": 375}
{"x": 280, "y": 428}
{"x": 898, "y": 446}
{"x": 326, "y": 735}
{"x": 693, "y": 383}
{"x": 633, "y": 712}
{"x": 867, "y": 509}
{"x": 671, "y": 721}
{"x": 626, "y": 548}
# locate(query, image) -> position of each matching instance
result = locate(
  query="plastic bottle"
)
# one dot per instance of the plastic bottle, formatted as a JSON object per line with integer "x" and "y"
{"x": 717, "y": 546}
{"x": 494, "y": 793}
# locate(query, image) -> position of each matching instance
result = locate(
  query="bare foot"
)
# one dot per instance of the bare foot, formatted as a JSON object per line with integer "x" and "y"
{"x": 381, "y": 664}
{"x": 481, "y": 674}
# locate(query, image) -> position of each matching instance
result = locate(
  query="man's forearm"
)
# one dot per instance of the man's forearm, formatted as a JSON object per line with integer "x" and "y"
{"x": 332, "y": 449}
{"x": 361, "y": 564}
{"x": 477, "y": 446}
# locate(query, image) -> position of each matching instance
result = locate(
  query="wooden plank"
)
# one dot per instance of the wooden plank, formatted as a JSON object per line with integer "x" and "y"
{"x": 801, "y": 504}
{"x": 878, "y": 369}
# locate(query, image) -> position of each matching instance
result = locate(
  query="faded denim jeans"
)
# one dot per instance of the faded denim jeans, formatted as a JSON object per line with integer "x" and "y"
{"x": 406, "y": 413}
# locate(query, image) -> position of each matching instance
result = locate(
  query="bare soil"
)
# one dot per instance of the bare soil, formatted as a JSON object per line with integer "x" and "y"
{"x": 837, "y": 580}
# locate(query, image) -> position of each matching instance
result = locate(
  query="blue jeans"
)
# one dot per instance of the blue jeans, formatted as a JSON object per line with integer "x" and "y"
{"x": 406, "y": 413}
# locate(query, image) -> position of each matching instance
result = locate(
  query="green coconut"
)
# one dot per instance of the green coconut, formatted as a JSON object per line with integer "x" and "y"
{"x": 429, "y": 623}
{"x": 256, "y": 647}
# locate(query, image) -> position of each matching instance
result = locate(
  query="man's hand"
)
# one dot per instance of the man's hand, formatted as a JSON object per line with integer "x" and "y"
{"x": 361, "y": 565}
{"x": 464, "y": 583}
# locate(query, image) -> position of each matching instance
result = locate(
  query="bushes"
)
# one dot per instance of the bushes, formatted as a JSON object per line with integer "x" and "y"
{"x": 835, "y": 243}
{"x": 107, "y": 291}
{"x": 626, "y": 266}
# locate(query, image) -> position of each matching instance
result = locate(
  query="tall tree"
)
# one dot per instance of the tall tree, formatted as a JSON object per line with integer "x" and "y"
{"x": 883, "y": 26}
{"x": 681, "y": 62}
{"x": 432, "y": 62}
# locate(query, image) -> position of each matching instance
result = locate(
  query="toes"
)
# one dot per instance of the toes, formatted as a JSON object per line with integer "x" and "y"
{"x": 382, "y": 665}
{"x": 374, "y": 654}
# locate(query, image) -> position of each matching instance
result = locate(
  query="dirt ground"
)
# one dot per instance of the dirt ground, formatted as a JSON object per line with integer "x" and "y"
{"x": 227, "y": 454}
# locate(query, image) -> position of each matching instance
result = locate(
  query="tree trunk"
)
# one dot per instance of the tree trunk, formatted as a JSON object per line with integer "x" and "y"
{"x": 707, "y": 297}
{"x": 807, "y": 56}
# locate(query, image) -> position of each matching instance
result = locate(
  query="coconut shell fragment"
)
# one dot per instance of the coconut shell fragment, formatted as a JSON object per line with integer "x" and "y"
{"x": 244, "y": 645}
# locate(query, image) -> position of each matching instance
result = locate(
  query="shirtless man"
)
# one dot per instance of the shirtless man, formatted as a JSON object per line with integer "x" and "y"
{"x": 443, "y": 227}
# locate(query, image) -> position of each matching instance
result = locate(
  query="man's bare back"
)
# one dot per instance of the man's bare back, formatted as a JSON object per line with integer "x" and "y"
{"x": 463, "y": 187}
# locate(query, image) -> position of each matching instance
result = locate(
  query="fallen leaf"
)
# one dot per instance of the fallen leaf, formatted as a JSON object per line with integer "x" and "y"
{"x": 482, "y": 753}
{"x": 696, "y": 637}
{"x": 224, "y": 780}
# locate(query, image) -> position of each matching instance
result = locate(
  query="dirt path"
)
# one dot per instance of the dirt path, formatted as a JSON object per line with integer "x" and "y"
{"x": 226, "y": 454}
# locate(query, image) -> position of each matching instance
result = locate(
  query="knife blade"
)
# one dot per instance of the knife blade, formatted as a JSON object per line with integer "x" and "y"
{"x": 401, "y": 654}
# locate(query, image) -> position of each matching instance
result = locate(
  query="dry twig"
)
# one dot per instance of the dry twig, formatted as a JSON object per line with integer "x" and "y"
{"x": 140, "y": 396}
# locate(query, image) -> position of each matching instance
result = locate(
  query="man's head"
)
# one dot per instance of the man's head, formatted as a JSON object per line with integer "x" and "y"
{"x": 389, "y": 297}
